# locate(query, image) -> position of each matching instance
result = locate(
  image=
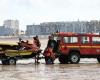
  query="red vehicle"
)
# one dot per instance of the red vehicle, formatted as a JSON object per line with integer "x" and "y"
{"x": 73, "y": 46}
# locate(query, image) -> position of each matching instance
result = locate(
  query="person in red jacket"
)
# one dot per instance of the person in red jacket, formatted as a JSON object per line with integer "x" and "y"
{"x": 36, "y": 45}
{"x": 49, "y": 55}
{"x": 37, "y": 42}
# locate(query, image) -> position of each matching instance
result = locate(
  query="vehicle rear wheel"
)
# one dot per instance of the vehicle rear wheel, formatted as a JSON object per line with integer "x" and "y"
{"x": 74, "y": 58}
{"x": 63, "y": 59}
{"x": 12, "y": 61}
{"x": 98, "y": 59}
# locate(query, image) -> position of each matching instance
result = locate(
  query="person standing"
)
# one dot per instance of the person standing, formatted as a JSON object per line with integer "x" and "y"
{"x": 37, "y": 42}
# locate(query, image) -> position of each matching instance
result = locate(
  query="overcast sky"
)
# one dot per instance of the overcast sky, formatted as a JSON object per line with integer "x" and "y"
{"x": 36, "y": 11}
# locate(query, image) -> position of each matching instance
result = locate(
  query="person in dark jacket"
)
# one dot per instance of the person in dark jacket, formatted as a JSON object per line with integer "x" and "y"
{"x": 52, "y": 43}
{"x": 50, "y": 50}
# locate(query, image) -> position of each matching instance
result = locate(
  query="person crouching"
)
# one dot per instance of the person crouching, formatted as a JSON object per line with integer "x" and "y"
{"x": 49, "y": 55}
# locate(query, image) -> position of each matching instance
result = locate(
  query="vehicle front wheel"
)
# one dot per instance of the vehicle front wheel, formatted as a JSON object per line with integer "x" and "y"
{"x": 74, "y": 58}
{"x": 98, "y": 59}
{"x": 12, "y": 61}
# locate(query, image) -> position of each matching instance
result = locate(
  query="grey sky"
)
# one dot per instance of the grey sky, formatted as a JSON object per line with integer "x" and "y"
{"x": 37, "y": 11}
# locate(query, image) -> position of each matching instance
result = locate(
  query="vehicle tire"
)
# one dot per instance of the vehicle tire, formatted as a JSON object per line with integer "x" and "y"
{"x": 5, "y": 62}
{"x": 98, "y": 59}
{"x": 12, "y": 61}
{"x": 74, "y": 58}
{"x": 63, "y": 59}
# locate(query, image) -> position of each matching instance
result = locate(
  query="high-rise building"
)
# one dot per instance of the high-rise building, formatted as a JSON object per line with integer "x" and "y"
{"x": 73, "y": 26}
{"x": 12, "y": 24}
{"x": 5, "y": 31}
{"x": 33, "y": 30}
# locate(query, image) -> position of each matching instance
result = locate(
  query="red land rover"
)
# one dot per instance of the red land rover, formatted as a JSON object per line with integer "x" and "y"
{"x": 73, "y": 46}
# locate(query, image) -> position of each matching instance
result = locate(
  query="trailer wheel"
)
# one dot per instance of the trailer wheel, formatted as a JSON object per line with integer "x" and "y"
{"x": 5, "y": 62}
{"x": 12, "y": 61}
{"x": 74, "y": 58}
{"x": 63, "y": 59}
{"x": 98, "y": 59}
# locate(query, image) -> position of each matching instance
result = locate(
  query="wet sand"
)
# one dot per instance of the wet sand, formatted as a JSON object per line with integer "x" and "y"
{"x": 87, "y": 69}
{"x": 31, "y": 71}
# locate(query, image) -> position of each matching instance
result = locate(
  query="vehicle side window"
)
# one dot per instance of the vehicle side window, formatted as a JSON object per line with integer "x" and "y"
{"x": 70, "y": 39}
{"x": 96, "y": 40}
{"x": 85, "y": 40}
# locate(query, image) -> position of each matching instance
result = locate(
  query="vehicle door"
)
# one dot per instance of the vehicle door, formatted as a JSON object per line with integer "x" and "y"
{"x": 85, "y": 45}
{"x": 96, "y": 45}
{"x": 69, "y": 42}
